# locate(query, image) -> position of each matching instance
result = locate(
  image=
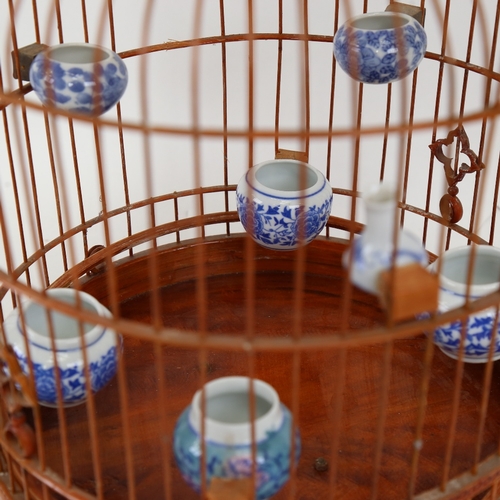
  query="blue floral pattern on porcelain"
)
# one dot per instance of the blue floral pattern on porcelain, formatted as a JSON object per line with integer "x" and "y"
{"x": 477, "y": 330}
{"x": 376, "y": 55}
{"x": 102, "y": 346}
{"x": 283, "y": 203}
{"x": 369, "y": 259}
{"x": 381, "y": 244}
{"x": 88, "y": 88}
{"x": 73, "y": 387}
{"x": 477, "y": 340}
{"x": 235, "y": 462}
{"x": 278, "y": 225}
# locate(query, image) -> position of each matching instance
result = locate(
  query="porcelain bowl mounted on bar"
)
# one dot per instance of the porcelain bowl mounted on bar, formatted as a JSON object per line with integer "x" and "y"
{"x": 453, "y": 267}
{"x": 380, "y": 47}
{"x": 283, "y": 203}
{"x": 79, "y": 77}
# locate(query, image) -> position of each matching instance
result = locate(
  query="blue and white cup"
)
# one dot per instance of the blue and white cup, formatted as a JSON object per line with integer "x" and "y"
{"x": 79, "y": 78}
{"x": 228, "y": 436}
{"x": 453, "y": 267}
{"x": 380, "y": 47}
{"x": 283, "y": 203}
{"x": 102, "y": 346}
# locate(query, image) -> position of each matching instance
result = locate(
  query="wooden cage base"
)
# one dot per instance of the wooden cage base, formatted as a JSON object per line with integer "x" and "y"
{"x": 322, "y": 392}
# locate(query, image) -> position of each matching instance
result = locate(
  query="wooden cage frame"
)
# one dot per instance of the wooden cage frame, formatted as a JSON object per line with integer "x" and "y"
{"x": 382, "y": 412}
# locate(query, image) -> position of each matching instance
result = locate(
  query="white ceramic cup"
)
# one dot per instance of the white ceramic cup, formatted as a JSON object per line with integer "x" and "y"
{"x": 102, "y": 347}
{"x": 454, "y": 268}
{"x": 283, "y": 203}
{"x": 79, "y": 77}
{"x": 380, "y": 47}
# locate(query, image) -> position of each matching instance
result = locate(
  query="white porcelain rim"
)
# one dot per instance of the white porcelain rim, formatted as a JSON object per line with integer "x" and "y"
{"x": 351, "y": 21}
{"x": 461, "y": 288}
{"x": 237, "y": 434}
{"x": 380, "y": 197}
{"x": 90, "y": 337}
{"x": 109, "y": 54}
{"x": 259, "y": 188}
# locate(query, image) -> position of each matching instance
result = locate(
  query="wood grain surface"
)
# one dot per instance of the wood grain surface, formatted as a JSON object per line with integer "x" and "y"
{"x": 320, "y": 375}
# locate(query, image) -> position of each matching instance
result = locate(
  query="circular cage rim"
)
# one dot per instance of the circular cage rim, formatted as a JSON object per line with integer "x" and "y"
{"x": 200, "y": 221}
{"x": 16, "y": 97}
{"x": 239, "y": 341}
{"x": 183, "y": 338}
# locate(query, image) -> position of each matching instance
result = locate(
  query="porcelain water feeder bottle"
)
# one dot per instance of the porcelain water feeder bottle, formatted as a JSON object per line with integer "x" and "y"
{"x": 378, "y": 247}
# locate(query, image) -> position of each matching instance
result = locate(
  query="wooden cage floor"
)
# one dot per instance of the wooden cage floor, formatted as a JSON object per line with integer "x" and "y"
{"x": 319, "y": 372}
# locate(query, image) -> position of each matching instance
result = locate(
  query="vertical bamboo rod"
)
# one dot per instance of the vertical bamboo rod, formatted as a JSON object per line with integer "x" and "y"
{"x": 38, "y": 236}
{"x": 36, "y": 24}
{"x": 78, "y": 182}
{"x": 279, "y": 71}
{"x": 90, "y": 404}
{"x": 455, "y": 405}
{"x": 495, "y": 204}
{"x": 331, "y": 102}
{"x": 388, "y": 106}
{"x": 113, "y": 293}
{"x": 201, "y": 272}
{"x": 225, "y": 150}
{"x": 125, "y": 176}
{"x": 306, "y": 111}
{"x": 15, "y": 190}
{"x": 421, "y": 412}
{"x": 409, "y": 136}
{"x": 488, "y": 373}
{"x": 444, "y": 21}
{"x": 56, "y": 189}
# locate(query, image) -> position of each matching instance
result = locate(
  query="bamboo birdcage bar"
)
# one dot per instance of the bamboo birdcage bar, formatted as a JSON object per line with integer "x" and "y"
{"x": 137, "y": 207}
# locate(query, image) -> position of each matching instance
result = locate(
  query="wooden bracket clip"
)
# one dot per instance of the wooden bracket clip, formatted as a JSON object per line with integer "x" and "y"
{"x": 407, "y": 291}
{"x": 412, "y": 10}
{"x": 288, "y": 154}
{"x": 450, "y": 206}
{"x": 22, "y": 59}
{"x": 230, "y": 489}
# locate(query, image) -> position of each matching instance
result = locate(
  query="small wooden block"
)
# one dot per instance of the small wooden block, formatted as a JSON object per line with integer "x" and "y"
{"x": 412, "y": 10}
{"x": 26, "y": 56}
{"x": 288, "y": 154}
{"x": 230, "y": 489}
{"x": 411, "y": 291}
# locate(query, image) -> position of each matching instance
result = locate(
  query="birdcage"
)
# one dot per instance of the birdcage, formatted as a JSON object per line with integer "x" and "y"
{"x": 125, "y": 222}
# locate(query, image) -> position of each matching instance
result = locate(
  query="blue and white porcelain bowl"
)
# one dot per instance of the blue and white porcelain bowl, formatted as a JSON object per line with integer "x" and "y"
{"x": 79, "y": 77}
{"x": 228, "y": 435}
{"x": 380, "y": 47}
{"x": 453, "y": 268}
{"x": 102, "y": 347}
{"x": 283, "y": 203}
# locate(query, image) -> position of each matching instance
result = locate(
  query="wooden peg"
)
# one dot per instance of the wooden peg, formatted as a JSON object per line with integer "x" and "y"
{"x": 288, "y": 154}
{"x": 99, "y": 267}
{"x": 411, "y": 10}
{"x": 19, "y": 428}
{"x": 410, "y": 291}
{"x": 25, "y": 56}
{"x": 230, "y": 489}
